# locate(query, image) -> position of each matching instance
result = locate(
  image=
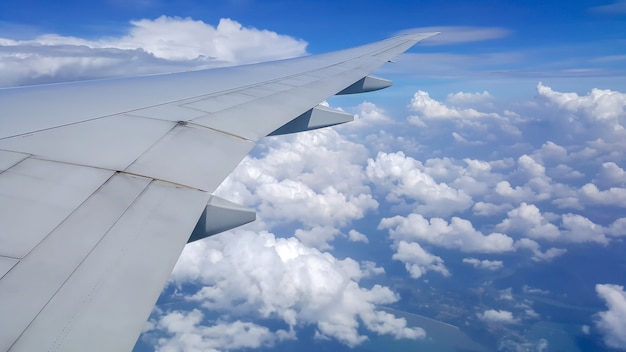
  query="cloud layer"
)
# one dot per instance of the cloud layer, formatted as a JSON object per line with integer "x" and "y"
{"x": 245, "y": 274}
{"x": 464, "y": 173}
{"x": 164, "y": 44}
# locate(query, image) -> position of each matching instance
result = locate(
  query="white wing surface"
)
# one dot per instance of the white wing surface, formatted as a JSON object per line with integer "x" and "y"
{"x": 102, "y": 183}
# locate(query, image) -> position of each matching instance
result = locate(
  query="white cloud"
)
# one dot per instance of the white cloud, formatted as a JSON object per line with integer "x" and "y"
{"x": 400, "y": 176}
{"x": 317, "y": 236}
{"x": 551, "y": 151}
{"x": 417, "y": 261}
{"x": 599, "y": 104}
{"x": 164, "y": 44}
{"x": 506, "y": 294}
{"x": 429, "y": 108}
{"x": 617, "y": 228}
{"x": 563, "y": 171}
{"x": 593, "y": 123}
{"x": 612, "y": 322}
{"x": 457, "y": 234}
{"x": 245, "y": 274}
{"x": 614, "y": 196}
{"x": 368, "y": 114}
{"x": 484, "y": 264}
{"x": 492, "y": 316}
{"x": 356, "y": 236}
{"x": 528, "y": 221}
{"x": 186, "y": 332}
{"x": 577, "y": 228}
{"x": 534, "y": 290}
{"x": 369, "y": 268}
{"x": 174, "y": 38}
{"x": 318, "y": 175}
{"x": 488, "y": 209}
{"x": 585, "y": 329}
{"x": 475, "y": 123}
{"x": 611, "y": 174}
{"x": 535, "y": 248}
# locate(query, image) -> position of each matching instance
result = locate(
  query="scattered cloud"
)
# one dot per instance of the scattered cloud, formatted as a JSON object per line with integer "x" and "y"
{"x": 534, "y": 290}
{"x": 514, "y": 185}
{"x": 185, "y": 332}
{"x": 528, "y": 220}
{"x": 611, "y": 174}
{"x": 611, "y": 322}
{"x": 457, "y": 234}
{"x": 356, "y": 236}
{"x": 318, "y": 175}
{"x": 537, "y": 254}
{"x": 492, "y": 316}
{"x": 484, "y": 264}
{"x": 417, "y": 261}
{"x": 403, "y": 180}
{"x": 250, "y": 274}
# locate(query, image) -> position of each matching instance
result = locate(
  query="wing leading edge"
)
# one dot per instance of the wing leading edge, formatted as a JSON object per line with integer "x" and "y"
{"x": 103, "y": 182}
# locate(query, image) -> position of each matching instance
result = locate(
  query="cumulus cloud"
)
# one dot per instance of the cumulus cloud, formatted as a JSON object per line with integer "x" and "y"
{"x": 417, "y": 261}
{"x": 599, "y": 104}
{"x": 429, "y": 108}
{"x": 611, "y": 322}
{"x": 400, "y": 176}
{"x": 492, "y": 316}
{"x": 611, "y": 174}
{"x": 596, "y": 118}
{"x": 456, "y": 234}
{"x": 577, "y": 228}
{"x": 368, "y": 114}
{"x": 535, "y": 248}
{"x": 319, "y": 176}
{"x": 614, "y": 196}
{"x": 484, "y": 264}
{"x": 186, "y": 332}
{"x": 528, "y": 220}
{"x": 469, "y": 117}
{"x": 356, "y": 236}
{"x": 487, "y": 209}
{"x": 280, "y": 278}
{"x": 164, "y": 44}
{"x": 617, "y": 228}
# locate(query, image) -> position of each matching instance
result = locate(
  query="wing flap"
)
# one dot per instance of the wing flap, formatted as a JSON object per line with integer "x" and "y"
{"x": 29, "y": 286}
{"x": 8, "y": 159}
{"x": 114, "y": 285}
{"x": 112, "y": 142}
{"x": 194, "y": 156}
{"x": 36, "y": 196}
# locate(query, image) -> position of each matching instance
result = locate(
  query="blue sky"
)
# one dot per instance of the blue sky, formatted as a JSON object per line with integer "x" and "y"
{"x": 478, "y": 203}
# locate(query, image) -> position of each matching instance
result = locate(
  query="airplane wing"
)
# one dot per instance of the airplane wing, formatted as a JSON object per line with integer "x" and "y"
{"x": 102, "y": 183}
